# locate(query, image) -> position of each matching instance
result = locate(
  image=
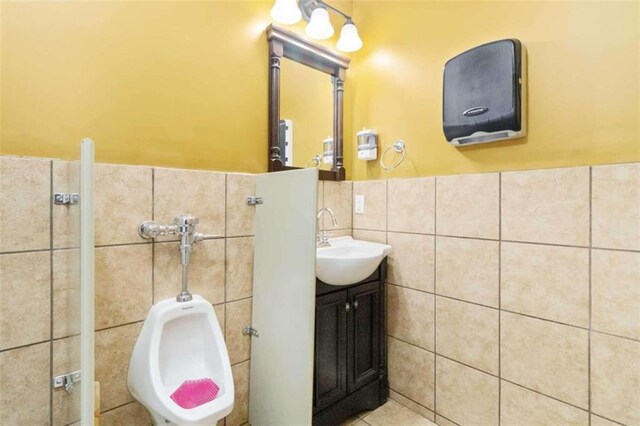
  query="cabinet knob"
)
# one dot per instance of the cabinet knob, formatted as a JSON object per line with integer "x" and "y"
{"x": 347, "y": 307}
{"x": 355, "y": 304}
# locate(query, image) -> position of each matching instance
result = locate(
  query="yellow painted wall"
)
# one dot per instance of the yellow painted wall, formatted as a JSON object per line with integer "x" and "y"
{"x": 583, "y": 82}
{"x": 165, "y": 83}
{"x": 184, "y": 83}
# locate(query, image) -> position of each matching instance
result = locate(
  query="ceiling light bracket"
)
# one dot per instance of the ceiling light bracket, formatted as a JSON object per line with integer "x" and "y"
{"x": 308, "y": 6}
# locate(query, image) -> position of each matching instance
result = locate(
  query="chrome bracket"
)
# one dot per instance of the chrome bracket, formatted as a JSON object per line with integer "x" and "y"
{"x": 64, "y": 198}
{"x": 67, "y": 380}
{"x": 253, "y": 200}
{"x": 250, "y": 331}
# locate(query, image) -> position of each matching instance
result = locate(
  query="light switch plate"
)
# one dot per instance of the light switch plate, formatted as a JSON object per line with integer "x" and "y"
{"x": 359, "y": 204}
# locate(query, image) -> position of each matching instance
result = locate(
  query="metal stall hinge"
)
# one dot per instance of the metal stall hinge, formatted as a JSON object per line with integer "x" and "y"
{"x": 253, "y": 200}
{"x": 67, "y": 380}
{"x": 62, "y": 198}
{"x": 250, "y": 331}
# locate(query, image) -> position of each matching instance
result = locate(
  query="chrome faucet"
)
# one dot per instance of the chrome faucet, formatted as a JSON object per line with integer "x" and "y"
{"x": 322, "y": 237}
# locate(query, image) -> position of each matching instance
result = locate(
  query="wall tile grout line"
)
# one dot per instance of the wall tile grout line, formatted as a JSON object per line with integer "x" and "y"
{"x": 498, "y": 240}
{"x": 615, "y": 249}
{"x": 55, "y": 339}
{"x": 545, "y": 395}
{"x": 118, "y": 406}
{"x": 431, "y": 351}
{"x": 111, "y": 327}
{"x": 234, "y": 300}
{"x": 415, "y": 402}
{"x": 141, "y": 243}
{"x": 40, "y": 342}
{"x": 606, "y": 418}
{"x": 25, "y": 251}
{"x": 240, "y": 362}
{"x": 448, "y": 419}
{"x": 545, "y": 319}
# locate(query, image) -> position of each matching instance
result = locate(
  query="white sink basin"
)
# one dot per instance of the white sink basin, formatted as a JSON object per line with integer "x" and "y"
{"x": 348, "y": 261}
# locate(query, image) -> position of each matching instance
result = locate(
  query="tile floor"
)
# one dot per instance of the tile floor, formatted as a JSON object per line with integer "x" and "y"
{"x": 390, "y": 414}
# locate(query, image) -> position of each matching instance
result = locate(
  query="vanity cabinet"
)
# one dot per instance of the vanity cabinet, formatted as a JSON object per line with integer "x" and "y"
{"x": 350, "y": 365}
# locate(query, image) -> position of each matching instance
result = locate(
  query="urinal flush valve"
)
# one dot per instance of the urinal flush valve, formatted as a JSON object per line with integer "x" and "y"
{"x": 184, "y": 226}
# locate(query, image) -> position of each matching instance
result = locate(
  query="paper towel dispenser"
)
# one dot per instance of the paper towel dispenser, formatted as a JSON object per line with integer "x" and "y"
{"x": 484, "y": 94}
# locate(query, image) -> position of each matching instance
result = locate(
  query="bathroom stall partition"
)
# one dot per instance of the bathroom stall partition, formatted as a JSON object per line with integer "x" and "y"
{"x": 73, "y": 258}
{"x": 87, "y": 293}
{"x": 281, "y": 378}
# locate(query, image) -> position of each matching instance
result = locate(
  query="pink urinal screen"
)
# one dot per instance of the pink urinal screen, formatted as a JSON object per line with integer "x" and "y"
{"x": 194, "y": 393}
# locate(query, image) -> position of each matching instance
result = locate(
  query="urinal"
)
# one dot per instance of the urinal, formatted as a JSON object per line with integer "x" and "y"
{"x": 179, "y": 368}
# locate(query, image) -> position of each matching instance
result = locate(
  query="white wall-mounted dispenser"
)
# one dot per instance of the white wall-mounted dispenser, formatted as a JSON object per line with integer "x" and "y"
{"x": 484, "y": 95}
{"x": 367, "y": 144}
{"x": 327, "y": 150}
{"x": 286, "y": 141}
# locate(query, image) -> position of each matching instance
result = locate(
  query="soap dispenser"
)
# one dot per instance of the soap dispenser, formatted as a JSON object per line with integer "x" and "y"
{"x": 367, "y": 144}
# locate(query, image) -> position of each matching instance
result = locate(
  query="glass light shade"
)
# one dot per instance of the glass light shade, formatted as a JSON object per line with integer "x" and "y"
{"x": 319, "y": 26}
{"x": 349, "y": 39}
{"x": 286, "y": 12}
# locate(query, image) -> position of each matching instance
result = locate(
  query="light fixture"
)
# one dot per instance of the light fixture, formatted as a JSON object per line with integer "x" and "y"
{"x": 286, "y": 12}
{"x": 349, "y": 40}
{"x": 319, "y": 26}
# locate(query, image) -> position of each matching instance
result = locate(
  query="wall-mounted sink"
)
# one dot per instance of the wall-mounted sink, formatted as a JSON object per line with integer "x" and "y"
{"x": 348, "y": 261}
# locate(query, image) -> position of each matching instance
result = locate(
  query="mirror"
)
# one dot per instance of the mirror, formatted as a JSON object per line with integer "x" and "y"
{"x": 306, "y": 116}
{"x": 306, "y": 92}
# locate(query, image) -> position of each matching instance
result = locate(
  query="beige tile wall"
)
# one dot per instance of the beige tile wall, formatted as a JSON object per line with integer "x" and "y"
{"x": 525, "y": 309}
{"x": 513, "y": 298}
{"x": 38, "y": 278}
{"x": 39, "y": 270}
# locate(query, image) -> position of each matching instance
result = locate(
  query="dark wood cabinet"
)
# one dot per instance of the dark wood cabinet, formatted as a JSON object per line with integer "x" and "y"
{"x": 330, "y": 366}
{"x": 350, "y": 366}
{"x": 363, "y": 343}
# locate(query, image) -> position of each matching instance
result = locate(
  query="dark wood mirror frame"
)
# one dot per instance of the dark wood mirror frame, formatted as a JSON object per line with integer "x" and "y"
{"x": 285, "y": 44}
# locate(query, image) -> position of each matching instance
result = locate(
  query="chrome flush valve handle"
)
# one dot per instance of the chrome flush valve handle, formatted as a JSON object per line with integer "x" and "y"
{"x": 150, "y": 229}
{"x": 186, "y": 223}
{"x": 184, "y": 226}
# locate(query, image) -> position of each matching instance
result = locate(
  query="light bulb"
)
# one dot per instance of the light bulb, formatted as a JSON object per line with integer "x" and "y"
{"x": 319, "y": 26}
{"x": 286, "y": 12}
{"x": 349, "y": 39}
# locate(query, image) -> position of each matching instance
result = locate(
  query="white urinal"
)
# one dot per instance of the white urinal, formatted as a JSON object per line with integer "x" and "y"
{"x": 179, "y": 353}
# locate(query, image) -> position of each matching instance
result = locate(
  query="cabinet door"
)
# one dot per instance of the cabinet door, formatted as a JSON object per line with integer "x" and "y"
{"x": 364, "y": 335}
{"x": 330, "y": 370}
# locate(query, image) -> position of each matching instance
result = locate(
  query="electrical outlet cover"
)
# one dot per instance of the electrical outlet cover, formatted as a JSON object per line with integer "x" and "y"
{"x": 359, "y": 204}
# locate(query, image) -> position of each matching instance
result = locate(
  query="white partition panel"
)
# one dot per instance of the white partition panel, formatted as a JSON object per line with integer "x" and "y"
{"x": 284, "y": 299}
{"x": 86, "y": 284}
